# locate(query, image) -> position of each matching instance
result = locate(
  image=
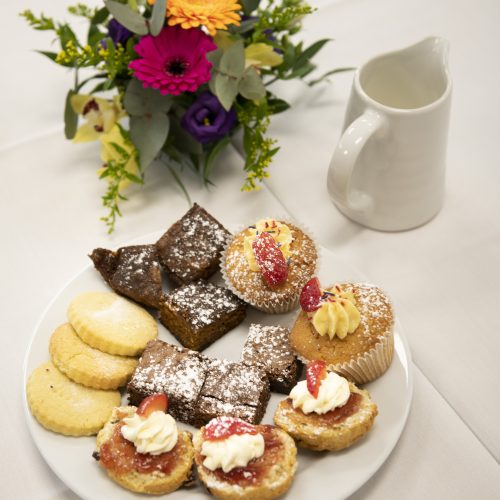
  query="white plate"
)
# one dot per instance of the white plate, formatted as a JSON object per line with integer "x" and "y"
{"x": 322, "y": 475}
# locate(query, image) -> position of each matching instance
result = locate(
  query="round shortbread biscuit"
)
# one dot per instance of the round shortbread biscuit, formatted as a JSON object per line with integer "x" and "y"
{"x": 86, "y": 365}
{"x": 63, "y": 406}
{"x": 112, "y": 324}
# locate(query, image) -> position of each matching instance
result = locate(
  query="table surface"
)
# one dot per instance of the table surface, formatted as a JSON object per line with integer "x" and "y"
{"x": 444, "y": 277}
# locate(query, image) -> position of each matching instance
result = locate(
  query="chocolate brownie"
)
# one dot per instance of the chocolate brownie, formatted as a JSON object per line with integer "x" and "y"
{"x": 133, "y": 271}
{"x": 192, "y": 246}
{"x": 235, "y": 390}
{"x": 177, "y": 372}
{"x": 269, "y": 347}
{"x": 199, "y": 313}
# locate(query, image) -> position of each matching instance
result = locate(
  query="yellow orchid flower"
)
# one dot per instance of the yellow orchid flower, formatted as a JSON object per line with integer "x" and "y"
{"x": 111, "y": 153}
{"x": 101, "y": 116}
{"x": 262, "y": 54}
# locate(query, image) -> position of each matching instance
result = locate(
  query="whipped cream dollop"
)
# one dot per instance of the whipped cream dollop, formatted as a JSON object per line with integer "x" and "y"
{"x": 333, "y": 392}
{"x": 337, "y": 314}
{"x": 235, "y": 451}
{"x": 281, "y": 234}
{"x": 155, "y": 434}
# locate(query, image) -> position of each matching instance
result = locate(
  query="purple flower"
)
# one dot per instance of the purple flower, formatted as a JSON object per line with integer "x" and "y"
{"x": 206, "y": 120}
{"x": 118, "y": 33}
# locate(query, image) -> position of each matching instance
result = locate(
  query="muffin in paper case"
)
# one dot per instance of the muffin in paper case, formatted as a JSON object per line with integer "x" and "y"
{"x": 249, "y": 285}
{"x": 362, "y": 356}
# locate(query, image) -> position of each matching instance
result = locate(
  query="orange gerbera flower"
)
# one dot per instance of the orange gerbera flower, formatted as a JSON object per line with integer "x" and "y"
{"x": 213, "y": 14}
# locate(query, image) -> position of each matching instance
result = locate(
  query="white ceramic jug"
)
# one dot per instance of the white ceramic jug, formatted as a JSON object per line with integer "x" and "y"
{"x": 388, "y": 169}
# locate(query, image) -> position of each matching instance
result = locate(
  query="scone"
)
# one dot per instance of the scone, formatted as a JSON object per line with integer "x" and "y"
{"x": 349, "y": 326}
{"x": 237, "y": 460}
{"x": 268, "y": 263}
{"x": 86, "y": 365}
{"x": 142, "y": 449}
{"x": 325, "y": 412}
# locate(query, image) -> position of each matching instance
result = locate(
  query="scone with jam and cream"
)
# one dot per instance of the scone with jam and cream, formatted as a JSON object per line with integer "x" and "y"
{"x": 237, "y": 460}
{"x": 268, "y": 263}
{"x": 349, "y": 326}
{"x": 142, "y": 449}
{"x": 325, "y": 411}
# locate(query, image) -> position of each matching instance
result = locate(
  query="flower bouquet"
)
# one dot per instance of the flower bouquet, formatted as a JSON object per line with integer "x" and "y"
{"x": 177, "y": 80}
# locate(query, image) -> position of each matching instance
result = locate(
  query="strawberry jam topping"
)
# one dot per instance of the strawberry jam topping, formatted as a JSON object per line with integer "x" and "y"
{"x": 119, "y": 455}
{"x": 315, "y": 373}
{"x": 224, "y": 427}
{"x": 270, "y": 259}
{"x": 257, "y": 468}
{"x": 310, "y": 296}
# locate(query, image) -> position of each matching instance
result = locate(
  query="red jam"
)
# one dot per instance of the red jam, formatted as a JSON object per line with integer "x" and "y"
{"x": 257, "y": 468}
{"x": 337, "y": 415}
{"x": 224, "y": 427}
{"x": 120, "y": 455}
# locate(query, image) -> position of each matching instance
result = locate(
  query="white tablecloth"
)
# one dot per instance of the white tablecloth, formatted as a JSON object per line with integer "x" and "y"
{"x": 444, "y": 277}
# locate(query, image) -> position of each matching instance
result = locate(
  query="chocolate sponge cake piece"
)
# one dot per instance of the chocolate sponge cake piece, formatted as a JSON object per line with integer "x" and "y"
{"x": 175, "y": 371}
{"x": 199, "y": 313}
{"x": 269, "y": 347}
{"x": 234, "y": 390}
{"x": 192, "y": 246}
{"x": 133, "y": 271}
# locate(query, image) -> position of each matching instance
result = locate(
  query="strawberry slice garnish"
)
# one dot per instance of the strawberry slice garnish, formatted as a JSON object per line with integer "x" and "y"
{"x": 315, "y": 373}
{"x": 155, "y": 402}
{"x": 224, "y": 427}
{"x": 270, "y": 259}
{"x": 310, "y": 296}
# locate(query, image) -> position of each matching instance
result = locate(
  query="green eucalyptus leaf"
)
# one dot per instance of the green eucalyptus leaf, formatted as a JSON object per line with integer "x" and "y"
{"x": 251, "y": 85}
{"x": 149, "y": 133}
{"x": 249, "y": 6}
{"x": 184, "y": 141}
{"x": 133, "y": 21}
{"x": 212, "y": 155}
{"x": 226, "y": 89}
{"x": 311, "y": 51}
{"x": 157, "y": 17}
{"x": 214, "y": 57}
{"x": 232, "y": 62}
{"x": 245, "y": 26}
{"x": 100, "y": 16}
{"x": 139, "y": 101}
{"x": 70, "y": 117}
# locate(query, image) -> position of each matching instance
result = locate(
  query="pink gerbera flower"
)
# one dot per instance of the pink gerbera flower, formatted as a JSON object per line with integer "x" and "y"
{"x": 174, "y": 61}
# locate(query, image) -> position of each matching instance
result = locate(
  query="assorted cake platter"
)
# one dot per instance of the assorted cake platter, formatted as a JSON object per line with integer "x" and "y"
{"x": 326, "y": 475}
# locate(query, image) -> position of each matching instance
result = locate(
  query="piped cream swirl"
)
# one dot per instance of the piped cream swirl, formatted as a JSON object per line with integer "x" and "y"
{"x": 155, "y": 434}
{"x": 235, "y": 451}
{"x": 333, "y": 392}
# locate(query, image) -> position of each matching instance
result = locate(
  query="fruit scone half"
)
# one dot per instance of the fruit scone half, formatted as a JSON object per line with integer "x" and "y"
{"x": 238, "y": 460}
{"x": 142, "y": 450}
{"x": 325, "y": 411}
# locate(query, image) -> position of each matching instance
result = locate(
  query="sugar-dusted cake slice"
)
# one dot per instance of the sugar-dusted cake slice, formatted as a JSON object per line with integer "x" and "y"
{"x": 199, "y": 313}
{"x": 234, "y": 390}
{"x": 133, "y": 271}
{"x": 269, "y": 347}
{"x": 177, "y": 372}
{"x": 192, "y": 246}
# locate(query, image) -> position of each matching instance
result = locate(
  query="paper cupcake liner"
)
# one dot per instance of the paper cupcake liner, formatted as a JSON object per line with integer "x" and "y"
{"x": 370, "y": 365}
{"x": 285, "y": 304}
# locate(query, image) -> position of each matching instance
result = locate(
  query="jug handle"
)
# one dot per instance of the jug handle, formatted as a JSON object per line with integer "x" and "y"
{"x": 344, "y": 161}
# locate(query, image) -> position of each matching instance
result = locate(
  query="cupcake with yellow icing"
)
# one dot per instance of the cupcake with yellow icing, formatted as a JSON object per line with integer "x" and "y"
{"x": 268, "y": 263}
{"x": 349, "y": 326}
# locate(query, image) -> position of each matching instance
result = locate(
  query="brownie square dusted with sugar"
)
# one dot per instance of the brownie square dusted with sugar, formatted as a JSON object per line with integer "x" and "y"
{"x": 133, "y": 271}
{"x": 233, "y": 389}
{"x": 191, "y": 248}
{"x": 199, "y": 313}
{"x": 177, "y": 372}
{"x": 269, "y": 347}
